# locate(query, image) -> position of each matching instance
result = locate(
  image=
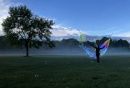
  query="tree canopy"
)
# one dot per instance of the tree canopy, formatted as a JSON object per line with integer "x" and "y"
{"x": 24, "y": 29}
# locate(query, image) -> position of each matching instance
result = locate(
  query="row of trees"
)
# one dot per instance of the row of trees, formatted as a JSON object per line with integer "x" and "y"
{"x": 73, "y": 43}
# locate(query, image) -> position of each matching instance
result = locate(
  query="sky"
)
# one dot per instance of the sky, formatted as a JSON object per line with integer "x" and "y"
{"x": 91, "y": 17}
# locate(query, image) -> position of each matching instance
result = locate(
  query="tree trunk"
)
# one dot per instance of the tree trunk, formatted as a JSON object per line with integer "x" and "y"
{"x": 27, "y": 49}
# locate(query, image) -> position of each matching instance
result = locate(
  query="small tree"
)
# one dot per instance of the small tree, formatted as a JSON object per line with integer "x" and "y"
{"x": 23, "y": 29}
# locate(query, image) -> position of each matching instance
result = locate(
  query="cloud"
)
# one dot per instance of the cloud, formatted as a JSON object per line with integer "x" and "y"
{"x": 59, "y": 32}
{"x": 125, "y": 34}
{"x": 64, "y": 31}
{"x": 4, "y": 9}
{"x": 4, "y": 6}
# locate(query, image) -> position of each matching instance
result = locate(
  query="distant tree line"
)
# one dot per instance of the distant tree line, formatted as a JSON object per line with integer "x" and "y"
{"x": 72, "y": 43}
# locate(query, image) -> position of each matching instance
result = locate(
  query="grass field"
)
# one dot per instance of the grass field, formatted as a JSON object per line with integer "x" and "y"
{"x": 64, "y": 72}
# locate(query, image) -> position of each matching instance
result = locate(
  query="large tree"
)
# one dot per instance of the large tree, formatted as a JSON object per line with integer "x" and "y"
{"x": 24, "y": 29}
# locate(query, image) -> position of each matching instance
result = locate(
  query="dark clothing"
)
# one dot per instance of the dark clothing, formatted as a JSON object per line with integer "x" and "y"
{"x": 98, "y": 54}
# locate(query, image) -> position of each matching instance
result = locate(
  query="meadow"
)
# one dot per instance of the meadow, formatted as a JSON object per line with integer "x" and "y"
{"x": 64, "y": 71}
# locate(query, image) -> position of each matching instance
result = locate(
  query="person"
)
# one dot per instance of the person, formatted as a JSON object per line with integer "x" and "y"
{"x": 97, "y": 47}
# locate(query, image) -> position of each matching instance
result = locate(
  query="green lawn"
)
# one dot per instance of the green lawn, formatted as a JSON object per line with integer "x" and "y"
{"x": 64, "y": 72}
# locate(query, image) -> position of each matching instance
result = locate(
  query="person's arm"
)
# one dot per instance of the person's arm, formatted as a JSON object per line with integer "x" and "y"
{"x": 102, "y": 47}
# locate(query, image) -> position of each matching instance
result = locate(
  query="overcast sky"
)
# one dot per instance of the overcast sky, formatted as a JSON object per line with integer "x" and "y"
{"x": 92, "y": 17}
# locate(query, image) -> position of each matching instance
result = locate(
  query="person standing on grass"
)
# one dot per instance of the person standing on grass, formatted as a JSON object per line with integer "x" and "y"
{"x": 97, "y": 47}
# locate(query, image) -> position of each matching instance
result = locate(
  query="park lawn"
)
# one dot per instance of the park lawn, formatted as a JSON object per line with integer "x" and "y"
{"x": 60, "y": 71}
